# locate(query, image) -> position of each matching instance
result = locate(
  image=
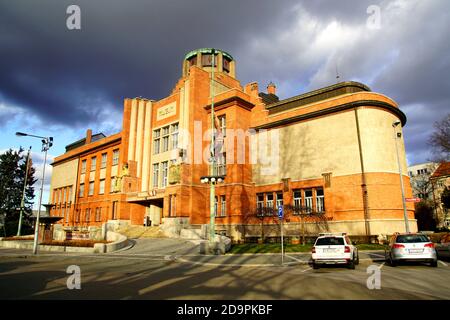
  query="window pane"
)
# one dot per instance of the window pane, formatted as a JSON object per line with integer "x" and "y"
{"x": 93, "y": 163}
{"x": 115, "y": 157}
{"x": 104, "y": 158}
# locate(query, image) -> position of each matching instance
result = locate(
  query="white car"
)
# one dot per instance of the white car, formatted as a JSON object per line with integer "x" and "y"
{"x": 332, "y": 248}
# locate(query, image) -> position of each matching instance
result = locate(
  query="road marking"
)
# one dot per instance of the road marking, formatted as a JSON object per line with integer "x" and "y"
{"x": 381, "y": 265}
{"x": 443, "y": 263}
{"x": 376, "y": 254}
{"x": 306, "y": 270}
{"x": 295, "y": 258}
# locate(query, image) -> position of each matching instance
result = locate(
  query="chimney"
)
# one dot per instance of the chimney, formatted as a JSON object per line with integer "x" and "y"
{"x": 88, "y": 136}
{"x": 271, "y": 88}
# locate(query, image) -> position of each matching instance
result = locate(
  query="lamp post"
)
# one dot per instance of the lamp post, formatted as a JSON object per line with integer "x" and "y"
{"x": 22, "y": 202}
{"x": 213, "y": 178}
{"x": 47, "y": 142}
{"x": 396, "y": 136}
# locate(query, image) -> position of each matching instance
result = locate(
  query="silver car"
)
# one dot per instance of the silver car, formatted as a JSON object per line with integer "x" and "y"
{"x": 443, "y": 248}
{"x": 411, "y": 247}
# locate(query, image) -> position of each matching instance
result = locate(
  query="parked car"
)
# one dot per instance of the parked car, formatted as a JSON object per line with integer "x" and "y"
{"x": 443, "y": 248}
{"x": 411, "y": 247}
{"x": 332, "y": 248}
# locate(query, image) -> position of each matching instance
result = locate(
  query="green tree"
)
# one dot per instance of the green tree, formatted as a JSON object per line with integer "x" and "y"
{"x": 445, "y": 200}
{"x": 424, "y": 215}
{"x": 12, "y": 176}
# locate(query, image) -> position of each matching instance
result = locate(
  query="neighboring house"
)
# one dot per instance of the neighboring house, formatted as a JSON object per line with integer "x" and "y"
{"x": 329, "y": 151}
{"x": 441, "y": 179}
{"x": 419, "y": 175}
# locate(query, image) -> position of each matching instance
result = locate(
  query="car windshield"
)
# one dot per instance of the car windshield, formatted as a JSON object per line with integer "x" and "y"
{"x": 330, "y": 241}
{"x": 412, "y": 238}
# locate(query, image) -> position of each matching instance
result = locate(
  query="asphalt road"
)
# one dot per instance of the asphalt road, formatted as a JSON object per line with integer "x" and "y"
{"x": 172, "y": 269}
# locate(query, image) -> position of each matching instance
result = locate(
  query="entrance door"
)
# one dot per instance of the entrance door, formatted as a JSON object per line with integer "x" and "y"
{"x": 156, "y": 211}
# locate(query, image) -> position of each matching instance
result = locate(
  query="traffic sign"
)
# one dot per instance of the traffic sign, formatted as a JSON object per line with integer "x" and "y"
{"x": 413, "y": 199}
{"x": 280, "y": 212}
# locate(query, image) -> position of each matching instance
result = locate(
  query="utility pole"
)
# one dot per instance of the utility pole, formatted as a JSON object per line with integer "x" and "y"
{"x": 22, "y": 202}
{"x": 212, "y": 188}
{"x": 405, "y": 214}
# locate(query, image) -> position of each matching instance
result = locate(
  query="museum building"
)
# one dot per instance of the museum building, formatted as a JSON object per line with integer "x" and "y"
{"x": 329, "y": 156}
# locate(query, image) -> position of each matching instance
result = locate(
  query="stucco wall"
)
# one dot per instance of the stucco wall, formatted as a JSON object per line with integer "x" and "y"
{"x": 63, "y": 175}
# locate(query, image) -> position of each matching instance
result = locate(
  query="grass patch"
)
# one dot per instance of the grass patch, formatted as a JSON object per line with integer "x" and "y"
{"x": 74, "y": 243}
{"x": 276, "y": 247}
{"x": 22, "y": 238}
{"x": 371, "y": 246}
{"x": 268, "y": 248}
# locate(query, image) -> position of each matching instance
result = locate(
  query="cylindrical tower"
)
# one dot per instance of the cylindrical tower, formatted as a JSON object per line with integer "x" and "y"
{"x": 202, "y": 58}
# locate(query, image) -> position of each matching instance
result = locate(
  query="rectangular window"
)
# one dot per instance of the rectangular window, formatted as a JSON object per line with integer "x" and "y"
{"x": 88, "y": 215}
{"x": 269, "y": 200}
{"x": 63, "y": 195}
{"x": 165, "y": 139}
{"x": 223, "y": 125}
{"x": 115, "y": 160}
{"x": 104, "y": 159}
{"x": 114, "y": 210}
{"x": 215, "y": 206}
{"x": 279, "y": 199}
{"x": 91, "y": 188}
{"x": 77, "y": 215}
{"x": 165, "y": 173}
{"x": 320, "y": 204}
{"x": 223, "y": 206}
{"x": 101, "y": 189}
{"x": 112, "y": 184}
{"x": 63, "y": 212}
{"x": 70, "y": 195}
{"x": 156, "y": 140}
{"x": 83, "y": 166}
{"x": 308, "y": 200}
{"x": 155, "y": 182}
{"x": 297, "y": 201}
{"x": 93, "y": 163}
{"x": 81, "y": 193}
{"x": 98, "y": 214}
{"x": 174, "y": 133}
{"x": 222, "y": 164}
{"x": 67, "y": 214}
{"x": 260, "y": 201}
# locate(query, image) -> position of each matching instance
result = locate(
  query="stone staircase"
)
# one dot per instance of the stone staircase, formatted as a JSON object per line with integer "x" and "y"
{"x": 139, "y": 232}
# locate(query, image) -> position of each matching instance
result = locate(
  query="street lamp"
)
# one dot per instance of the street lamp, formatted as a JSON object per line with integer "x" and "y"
{"x": 396, "y": 136}
{"x": 47, "y": 142}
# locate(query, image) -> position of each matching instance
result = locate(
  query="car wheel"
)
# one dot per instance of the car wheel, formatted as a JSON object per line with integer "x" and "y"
{"x": 315, "y": 266}
{"x": 351, "y": 264}
{"x": 357, "y": 259}
{"x": 434, "y": 264}
{"x": 392, "y": 262}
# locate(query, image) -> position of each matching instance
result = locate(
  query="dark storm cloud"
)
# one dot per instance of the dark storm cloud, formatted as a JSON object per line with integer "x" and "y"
{"x": 124, "y": 49}
{"x": 135, "y": 48}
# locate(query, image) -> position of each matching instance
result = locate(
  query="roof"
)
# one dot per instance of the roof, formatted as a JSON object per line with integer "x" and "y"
{"x": 207, "y": 51}
{"x": 442, "y": 171}
{"x": 82, "y": 142}
{"x": 269, "y": 98}
{"x": 332, "y": 91}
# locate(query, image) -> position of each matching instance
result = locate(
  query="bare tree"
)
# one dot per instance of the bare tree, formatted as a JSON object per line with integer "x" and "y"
{"x": 440, "y": 139}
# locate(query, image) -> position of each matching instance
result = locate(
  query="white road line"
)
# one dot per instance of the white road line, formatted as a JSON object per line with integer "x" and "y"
{"x": 306, "y": 270}
{"x": 443, "y": 263}
{"x": 376, "y": 254}
{"x": 295, "y": 258}
{"x": 381, "y": 265}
